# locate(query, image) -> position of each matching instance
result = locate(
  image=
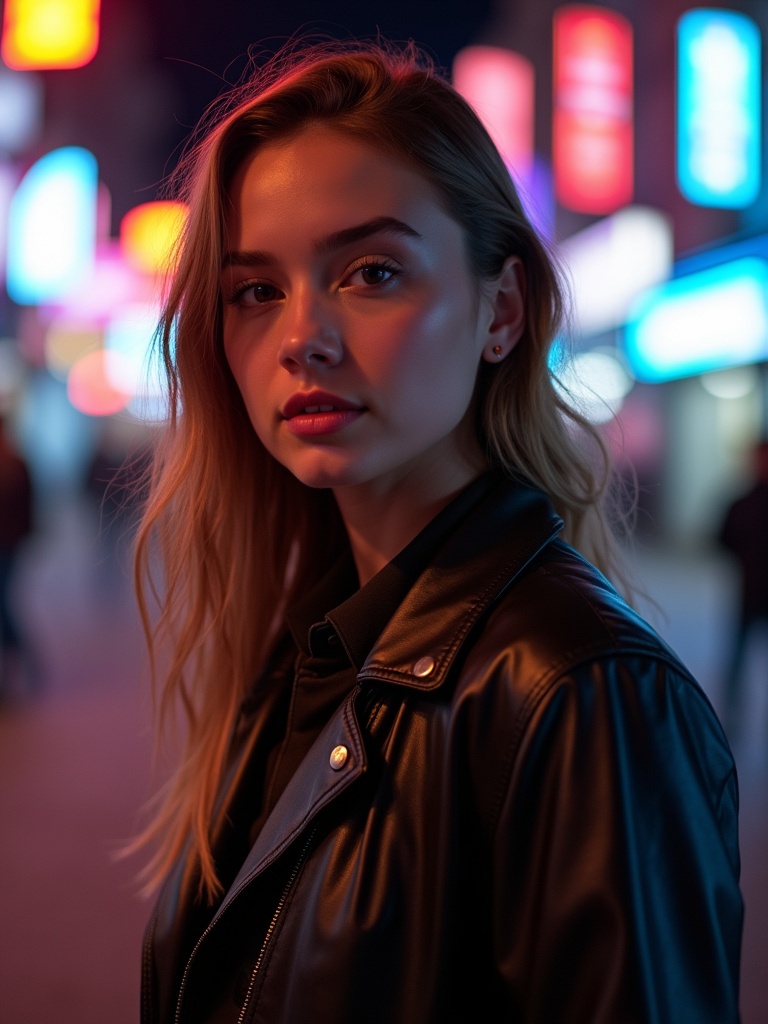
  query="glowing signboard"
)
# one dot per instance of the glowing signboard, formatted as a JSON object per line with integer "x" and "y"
{"x": 47, "y": 34}
{"x": 149, "y": 233}
{"x": 52, "y": 226}
{"x": 703, "y": 321}
{"x": 499, "y": 84}
{"x": 592, "y": 130}
{"x": 718, "y": 108}
{"x": 614, "y": 261}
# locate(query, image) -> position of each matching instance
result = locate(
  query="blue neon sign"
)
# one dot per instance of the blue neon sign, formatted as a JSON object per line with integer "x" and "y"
{"x": 718, "y": 108}
{"x": 710, "y": 320}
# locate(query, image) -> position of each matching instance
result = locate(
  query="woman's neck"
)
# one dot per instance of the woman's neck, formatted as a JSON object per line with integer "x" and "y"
{"x": 380, "y": 523}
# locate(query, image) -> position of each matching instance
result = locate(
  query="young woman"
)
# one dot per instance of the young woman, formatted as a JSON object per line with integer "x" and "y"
{"x": 435, "y": 768}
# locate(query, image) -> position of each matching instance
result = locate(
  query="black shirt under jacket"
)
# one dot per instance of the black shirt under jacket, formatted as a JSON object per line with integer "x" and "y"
{"x": 333, "y": 644}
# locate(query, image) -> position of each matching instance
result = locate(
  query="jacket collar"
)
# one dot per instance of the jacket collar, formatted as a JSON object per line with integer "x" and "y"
{"x": 503, "y": 533}
{"x": 358, "y": 615}
{"x": 509, "y": 525}
{"x": 491, "y": 546}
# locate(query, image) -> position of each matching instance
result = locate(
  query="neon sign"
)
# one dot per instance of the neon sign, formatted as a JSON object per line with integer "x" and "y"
{"x": 46, "y": 34}
{"x": 709, "y": 320}
{"x": 718, "y": 108}
{"x": 592, "y": 131}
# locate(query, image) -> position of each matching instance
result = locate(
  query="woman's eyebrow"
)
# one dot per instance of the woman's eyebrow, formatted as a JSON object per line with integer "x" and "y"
{"x": 347, "y": 236}
{"x": 328, "y": 243}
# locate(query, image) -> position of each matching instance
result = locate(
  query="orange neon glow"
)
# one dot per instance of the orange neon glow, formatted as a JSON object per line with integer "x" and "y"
{"x": 91, "y": 387}
{"x": 592, "y": 132}
{"x": 48, "y": 34}
{"x": 148, "y": 235}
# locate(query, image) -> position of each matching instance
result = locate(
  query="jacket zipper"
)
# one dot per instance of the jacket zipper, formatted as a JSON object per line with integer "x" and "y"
{"x": 273, "y": 923}
{"x": 264, "y": 945}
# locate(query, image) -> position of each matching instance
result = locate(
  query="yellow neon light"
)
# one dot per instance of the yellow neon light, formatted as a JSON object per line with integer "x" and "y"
{"x": 47, "y": 34}
{"x": 149, "y": 233}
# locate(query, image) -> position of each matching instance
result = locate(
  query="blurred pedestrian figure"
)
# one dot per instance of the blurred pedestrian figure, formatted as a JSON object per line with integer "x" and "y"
{"x": 15, "y": 526}
{"x": 744, "y": 534}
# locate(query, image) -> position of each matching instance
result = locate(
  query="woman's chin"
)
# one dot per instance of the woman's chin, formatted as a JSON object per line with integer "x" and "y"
{"x": 328, "y": 477}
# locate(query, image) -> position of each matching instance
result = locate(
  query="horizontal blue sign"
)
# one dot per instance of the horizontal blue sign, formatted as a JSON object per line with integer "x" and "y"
{"x": 710, "y": 320}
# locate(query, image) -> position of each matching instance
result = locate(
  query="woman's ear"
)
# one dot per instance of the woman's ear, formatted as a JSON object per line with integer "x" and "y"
{"x": 506, "y": 296}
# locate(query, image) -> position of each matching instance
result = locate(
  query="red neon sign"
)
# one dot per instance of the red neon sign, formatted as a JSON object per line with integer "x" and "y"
{"x": 592, "y": 132}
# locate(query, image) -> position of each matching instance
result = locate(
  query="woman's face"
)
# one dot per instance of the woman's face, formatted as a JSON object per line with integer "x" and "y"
{"x": 352, "y": 323}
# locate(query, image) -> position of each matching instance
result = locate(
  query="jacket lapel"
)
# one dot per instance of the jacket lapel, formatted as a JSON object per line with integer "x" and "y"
{"x": 476, "y": 565}
{"x": 318, "y": 780}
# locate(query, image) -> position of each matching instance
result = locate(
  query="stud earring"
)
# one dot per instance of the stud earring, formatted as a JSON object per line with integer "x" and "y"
{"x": 497, "y": 351}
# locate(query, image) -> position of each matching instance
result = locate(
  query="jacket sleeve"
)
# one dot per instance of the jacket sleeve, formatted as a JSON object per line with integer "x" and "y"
{"x": 620, "y": 818}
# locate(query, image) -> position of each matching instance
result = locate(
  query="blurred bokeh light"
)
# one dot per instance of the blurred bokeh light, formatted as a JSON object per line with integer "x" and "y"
{"x": 52, "y": 226}
{"x": 50, "y": 34}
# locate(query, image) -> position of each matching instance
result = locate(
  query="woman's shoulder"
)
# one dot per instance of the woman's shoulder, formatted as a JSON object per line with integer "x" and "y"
{"x": 564, "y": 612}
{"x": 562, "y": 651}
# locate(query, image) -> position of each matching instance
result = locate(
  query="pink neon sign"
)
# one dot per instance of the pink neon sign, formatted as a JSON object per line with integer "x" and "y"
{"x": 499, "y": 86}
{"x": 592, "y": 136}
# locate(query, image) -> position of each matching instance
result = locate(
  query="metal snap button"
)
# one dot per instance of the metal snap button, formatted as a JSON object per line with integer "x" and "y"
{"x": 424, "y": 667}
{"x": 338, "y": 757}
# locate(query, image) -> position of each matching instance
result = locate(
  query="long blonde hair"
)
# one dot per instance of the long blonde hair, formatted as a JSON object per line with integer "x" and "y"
{"x": 234, "y": 535}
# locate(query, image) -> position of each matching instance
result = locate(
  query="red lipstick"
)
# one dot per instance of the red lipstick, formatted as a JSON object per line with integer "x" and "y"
{"x": 313, "y": 413}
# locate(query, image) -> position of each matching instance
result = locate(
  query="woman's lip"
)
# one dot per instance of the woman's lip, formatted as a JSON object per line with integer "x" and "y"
{"x": 316, "y": 401}
{"x": 315, "y": 424}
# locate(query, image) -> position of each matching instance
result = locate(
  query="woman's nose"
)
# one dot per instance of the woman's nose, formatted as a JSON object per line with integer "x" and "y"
{"x": 311, "y": 336}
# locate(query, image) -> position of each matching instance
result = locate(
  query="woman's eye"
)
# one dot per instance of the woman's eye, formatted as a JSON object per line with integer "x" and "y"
{"x": 255, "y": 293}
{"x": 372, "y": 273}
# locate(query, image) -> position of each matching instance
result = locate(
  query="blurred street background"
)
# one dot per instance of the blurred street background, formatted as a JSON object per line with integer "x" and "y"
{"x": 636, "y": 130}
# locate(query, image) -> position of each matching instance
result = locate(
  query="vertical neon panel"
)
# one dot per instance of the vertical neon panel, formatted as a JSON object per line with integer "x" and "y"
{"x": 499, "y": 85}
{"x": 52, "y": 227}
{"x": 592, "y": 132}
{"x": 47, "y": 34}
{"x": 718, "y": 108}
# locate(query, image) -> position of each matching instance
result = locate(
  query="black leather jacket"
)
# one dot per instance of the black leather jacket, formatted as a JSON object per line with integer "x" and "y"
{"x": 525, "y": 811}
